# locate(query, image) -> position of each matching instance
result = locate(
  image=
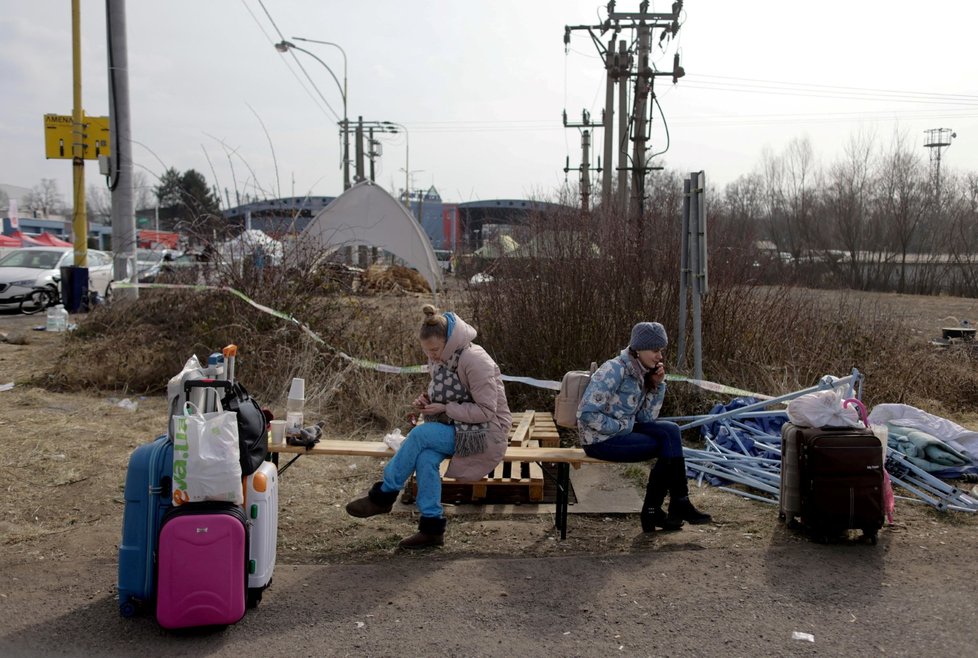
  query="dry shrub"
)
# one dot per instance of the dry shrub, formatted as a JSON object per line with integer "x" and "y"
{"x": 136, "y": 346}
{"x": 393, "y": 278}
{"x": 574, "y": 297}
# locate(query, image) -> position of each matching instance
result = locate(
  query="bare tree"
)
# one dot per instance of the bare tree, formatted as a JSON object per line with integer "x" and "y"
{"x": 844, "y": 202}
{"x": 144, "y": 194}
{"x": 44, "y": 199}
{"x": 801, "y": 183}
{"x": 774, "y": 203}
{"x": 962, "y": 211}
{"x": 98, "y": 200}
{"x": 901, "y": 200}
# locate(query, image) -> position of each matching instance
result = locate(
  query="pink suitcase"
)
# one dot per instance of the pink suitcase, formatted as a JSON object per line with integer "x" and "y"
{"x": 202, "y": 575}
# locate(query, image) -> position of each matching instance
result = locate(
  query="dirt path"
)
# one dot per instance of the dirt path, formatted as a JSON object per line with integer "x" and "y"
{"x": 501, "y": 586}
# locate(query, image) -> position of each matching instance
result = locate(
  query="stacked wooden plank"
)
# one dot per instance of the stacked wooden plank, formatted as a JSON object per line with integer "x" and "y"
{"x": 510, "y": 481}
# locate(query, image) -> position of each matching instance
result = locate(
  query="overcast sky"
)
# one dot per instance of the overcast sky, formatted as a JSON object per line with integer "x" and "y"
{"x": 481, "y": 86}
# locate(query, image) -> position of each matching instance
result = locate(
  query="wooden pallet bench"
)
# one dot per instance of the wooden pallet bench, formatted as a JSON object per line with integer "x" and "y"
{"x": 512, "y": 480}
{"x": 516, "y": 457}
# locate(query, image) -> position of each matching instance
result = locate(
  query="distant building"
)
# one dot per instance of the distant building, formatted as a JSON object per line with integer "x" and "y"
{"x": 452, "y": 226}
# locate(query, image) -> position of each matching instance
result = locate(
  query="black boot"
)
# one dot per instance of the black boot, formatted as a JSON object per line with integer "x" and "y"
{"x": 652, "y": 515}
{"x": 431, "y": 532}
{"x": 375, "y": 502}
{"x": 680, "y": 508}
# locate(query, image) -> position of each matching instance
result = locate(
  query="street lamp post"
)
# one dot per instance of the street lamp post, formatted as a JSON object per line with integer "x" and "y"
{"x": 284, "y": 46}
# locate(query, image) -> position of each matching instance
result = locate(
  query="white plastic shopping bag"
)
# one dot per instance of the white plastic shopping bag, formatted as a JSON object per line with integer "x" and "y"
{"x": 394, "y": 439}
{"x": 822, "y": 409}
{"x": 206, "y": 458}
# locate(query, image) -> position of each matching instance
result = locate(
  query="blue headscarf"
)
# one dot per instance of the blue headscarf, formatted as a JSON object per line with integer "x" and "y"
{"x": 450, "y": 322}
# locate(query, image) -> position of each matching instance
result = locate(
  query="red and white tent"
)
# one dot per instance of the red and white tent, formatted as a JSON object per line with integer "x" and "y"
{"x": 51, "y": 240}
{"x": 26, "y": 240}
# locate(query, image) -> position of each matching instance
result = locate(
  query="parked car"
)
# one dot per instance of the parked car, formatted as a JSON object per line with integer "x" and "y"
{"x": 24, "y": 269}
{"x": 150, "y": 262}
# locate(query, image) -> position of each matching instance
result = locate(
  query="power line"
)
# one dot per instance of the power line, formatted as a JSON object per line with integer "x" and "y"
{"x": 319, "y": 102}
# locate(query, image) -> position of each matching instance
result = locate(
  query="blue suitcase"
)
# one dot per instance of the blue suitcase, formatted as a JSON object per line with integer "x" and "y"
{"x": 147, "y": 494}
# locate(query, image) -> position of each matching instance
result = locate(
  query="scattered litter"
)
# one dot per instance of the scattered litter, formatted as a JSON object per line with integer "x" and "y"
{"x": 353, "y": 467}
{"x": 127, "y": 404}
{"x": 360, "y": 624}
{"x": 58, "y": 457}
{"x": 798, "y": 635}
{"x": 6, "y": 387}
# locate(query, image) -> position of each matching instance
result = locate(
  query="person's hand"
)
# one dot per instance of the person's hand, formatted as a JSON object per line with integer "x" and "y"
{"x": 433, "y": 409}
{"x": 421, "y": 401}
{"x": 658, "y": 374}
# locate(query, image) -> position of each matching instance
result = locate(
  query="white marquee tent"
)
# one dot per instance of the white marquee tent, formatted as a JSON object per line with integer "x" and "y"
{"x": 367, "y": 215}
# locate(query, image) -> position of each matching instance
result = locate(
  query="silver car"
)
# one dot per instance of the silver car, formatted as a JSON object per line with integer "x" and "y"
{"x": 24, "y": 269}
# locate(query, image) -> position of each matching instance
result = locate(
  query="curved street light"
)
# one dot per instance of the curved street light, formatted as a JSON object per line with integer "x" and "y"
{"x": 284, "y": 46}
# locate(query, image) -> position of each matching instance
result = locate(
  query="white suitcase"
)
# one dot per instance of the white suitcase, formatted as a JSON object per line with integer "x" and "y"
{"x": 261, "y": 508}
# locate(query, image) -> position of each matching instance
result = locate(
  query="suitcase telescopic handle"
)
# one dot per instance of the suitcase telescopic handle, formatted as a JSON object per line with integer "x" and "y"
{"x": 206, "y": 383}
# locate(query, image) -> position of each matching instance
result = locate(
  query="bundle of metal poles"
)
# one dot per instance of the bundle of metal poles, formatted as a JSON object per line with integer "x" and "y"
{"x": 743, "y": 447}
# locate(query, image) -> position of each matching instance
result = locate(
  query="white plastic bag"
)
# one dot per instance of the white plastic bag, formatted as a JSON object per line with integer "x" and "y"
{"x": 175, "y": 396}
{"x": 206, "y": 458}
{"x": 394, "y": 439}
{"x": 822, "y": 409}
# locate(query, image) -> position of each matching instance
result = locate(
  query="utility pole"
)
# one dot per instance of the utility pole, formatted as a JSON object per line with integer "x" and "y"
{"x": 937, "y": 140}
{"x": 372, "y": 151}
{"x": 609, "y": 123}
{"x": 585, "y": 179}
{"x": 625, "y": 65}
{"x": 618, "y": 67}
{"x": 643, "y": 85}
{"x": 120, "y": 132}
{"x": 359, "y": 177}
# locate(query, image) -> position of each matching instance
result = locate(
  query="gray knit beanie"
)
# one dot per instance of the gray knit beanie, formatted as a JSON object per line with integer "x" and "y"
{"x": 648, "y": 336}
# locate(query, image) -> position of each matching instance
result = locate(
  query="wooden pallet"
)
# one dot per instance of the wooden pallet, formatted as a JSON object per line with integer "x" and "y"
{"x": 513, "y": 482}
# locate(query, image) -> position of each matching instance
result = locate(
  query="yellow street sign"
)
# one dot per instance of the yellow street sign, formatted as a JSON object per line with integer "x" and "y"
{"x": 59, "y": 136}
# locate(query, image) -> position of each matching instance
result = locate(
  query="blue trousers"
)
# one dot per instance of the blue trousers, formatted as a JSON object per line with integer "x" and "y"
{"x": 422, "y": 453}
{"x": 660, "y": 438}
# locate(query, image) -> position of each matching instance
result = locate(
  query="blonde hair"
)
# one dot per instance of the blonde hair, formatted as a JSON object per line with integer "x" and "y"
{"x": 434, "y": 323}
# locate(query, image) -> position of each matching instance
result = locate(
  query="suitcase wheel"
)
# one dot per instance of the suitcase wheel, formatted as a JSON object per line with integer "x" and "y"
{"x": 128, "y": 609}
{"x": 254, "y": 597}
{"x": 872, "y": 536}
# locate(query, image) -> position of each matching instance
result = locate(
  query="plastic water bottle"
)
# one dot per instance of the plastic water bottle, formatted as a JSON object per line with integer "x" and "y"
{"x": 57, "y": 318}
{"x": 294, "y": 407}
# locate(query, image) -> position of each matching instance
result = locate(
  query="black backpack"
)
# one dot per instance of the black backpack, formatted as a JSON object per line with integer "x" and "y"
{"x": 252, "y": 427}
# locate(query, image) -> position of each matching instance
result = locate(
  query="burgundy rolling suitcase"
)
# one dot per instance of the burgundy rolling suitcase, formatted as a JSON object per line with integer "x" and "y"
{"x": 832, "y": 477}
{"x": 202, "y": 575}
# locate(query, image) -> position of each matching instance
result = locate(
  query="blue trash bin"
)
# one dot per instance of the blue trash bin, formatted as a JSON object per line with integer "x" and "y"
{"x": 74, "y": 288}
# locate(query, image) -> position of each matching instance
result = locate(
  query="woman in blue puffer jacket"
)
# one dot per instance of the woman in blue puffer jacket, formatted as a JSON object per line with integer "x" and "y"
{"x": 617, "y": 422}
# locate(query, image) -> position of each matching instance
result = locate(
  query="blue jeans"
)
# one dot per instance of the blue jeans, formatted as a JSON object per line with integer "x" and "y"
{"x": 660, "y": 438}
{"x": 422, "y": 453}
